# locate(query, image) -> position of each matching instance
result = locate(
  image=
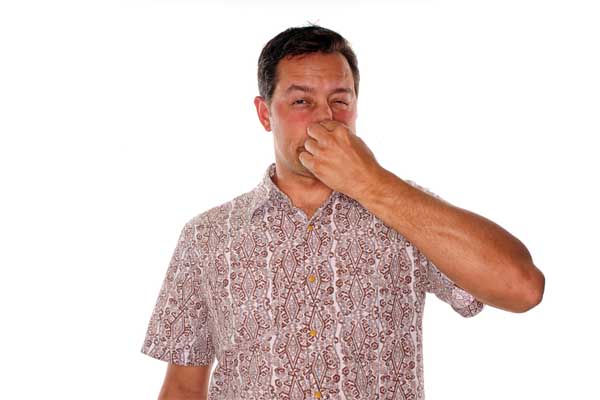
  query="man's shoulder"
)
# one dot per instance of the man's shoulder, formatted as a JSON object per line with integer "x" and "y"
{"x": 233, "y": 211}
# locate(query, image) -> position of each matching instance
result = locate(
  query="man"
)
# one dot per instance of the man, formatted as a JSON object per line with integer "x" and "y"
{"x": 312, "y": 285}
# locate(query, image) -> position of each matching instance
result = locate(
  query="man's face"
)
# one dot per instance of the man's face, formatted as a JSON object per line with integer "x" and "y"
{"x": 311, "y": 88}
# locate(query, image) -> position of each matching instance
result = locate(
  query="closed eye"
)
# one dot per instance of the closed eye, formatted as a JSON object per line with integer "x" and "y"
{"x": 304, "y": 102}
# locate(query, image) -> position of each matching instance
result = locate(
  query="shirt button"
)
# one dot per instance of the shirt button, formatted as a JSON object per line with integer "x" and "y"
{"x": 312, "y": 333}
{"x": 317, "y": 395}
{"x": 312, "y": 278}
{"x": 309, "y": 227}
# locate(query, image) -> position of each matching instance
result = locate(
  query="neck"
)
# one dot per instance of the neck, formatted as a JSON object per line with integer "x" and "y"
{"x": 306, "y": 192}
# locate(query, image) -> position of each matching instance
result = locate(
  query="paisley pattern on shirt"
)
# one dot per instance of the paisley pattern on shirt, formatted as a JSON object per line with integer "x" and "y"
{"x": 291, "y": 308}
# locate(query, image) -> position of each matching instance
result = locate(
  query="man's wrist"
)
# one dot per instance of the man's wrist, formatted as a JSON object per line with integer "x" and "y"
{"x": 378, "y": 184}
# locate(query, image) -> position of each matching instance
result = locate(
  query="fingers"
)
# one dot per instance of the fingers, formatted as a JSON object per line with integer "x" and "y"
{"x": 330, "y": 125}
{"x": 316, "y": 131}
{"x": 312, "y": 146}
{"x": 306, "y": 159}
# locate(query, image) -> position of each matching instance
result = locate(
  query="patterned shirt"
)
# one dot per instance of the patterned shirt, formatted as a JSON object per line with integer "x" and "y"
{"x": 329, "y": 307}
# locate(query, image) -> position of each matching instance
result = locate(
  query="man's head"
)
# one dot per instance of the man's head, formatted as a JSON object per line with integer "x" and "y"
{"x": 299, "y": 41}
{"x": 305, "y": 75}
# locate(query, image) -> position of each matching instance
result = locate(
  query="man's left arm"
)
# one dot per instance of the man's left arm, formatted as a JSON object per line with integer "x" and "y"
{"x": 475, "y": 253}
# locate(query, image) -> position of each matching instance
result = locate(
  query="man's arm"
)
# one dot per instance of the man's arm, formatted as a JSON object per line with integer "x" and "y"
{"x": 475, "y": 253}
{"x": 185, "y": 383}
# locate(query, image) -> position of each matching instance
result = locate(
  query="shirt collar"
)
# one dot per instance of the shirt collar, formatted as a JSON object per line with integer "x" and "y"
{"x": 267, "y": 192}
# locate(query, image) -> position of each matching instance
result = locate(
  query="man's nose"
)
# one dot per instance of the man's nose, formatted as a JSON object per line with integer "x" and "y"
{"x": 323, "y": 113}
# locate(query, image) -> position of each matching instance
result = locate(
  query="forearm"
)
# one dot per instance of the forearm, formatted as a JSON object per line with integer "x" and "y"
{"x": 185, "y": 383}
{"x": 170, "y": 393}
{"x": 474, "y": 252}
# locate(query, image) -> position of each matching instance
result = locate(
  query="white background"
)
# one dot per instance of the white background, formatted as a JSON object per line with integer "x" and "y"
{"x": 120, "y": 121}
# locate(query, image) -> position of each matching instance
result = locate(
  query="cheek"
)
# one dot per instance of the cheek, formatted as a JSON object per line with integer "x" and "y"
{"x": 291, "y": 133}
{"x": 293, "y": 126}
{"x": 298, "y": 120}
{"x": 345, "y": 116}
{"x": 292, "y": 121}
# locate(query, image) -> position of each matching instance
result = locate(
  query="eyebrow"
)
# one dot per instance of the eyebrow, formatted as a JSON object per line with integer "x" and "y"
{"x": 308, "y": 89}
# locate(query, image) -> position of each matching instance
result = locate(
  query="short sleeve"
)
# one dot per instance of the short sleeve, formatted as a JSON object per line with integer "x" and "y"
{"x": 439, "y": 284}
{"x": 459, "y": 299}
{"x": 179, "y": 329}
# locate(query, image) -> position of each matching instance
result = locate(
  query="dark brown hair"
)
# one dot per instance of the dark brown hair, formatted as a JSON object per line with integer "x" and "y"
{"x": 298, "y": 41}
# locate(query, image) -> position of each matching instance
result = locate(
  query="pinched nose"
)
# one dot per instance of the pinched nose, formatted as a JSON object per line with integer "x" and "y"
{"x": 329, "y": 124}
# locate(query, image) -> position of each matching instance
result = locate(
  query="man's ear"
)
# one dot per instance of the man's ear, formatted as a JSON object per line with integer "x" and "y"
{"x": 262, "y": 110}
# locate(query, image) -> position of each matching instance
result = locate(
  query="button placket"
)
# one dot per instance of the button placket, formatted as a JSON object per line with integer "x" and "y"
{"x": 313, "y": 300}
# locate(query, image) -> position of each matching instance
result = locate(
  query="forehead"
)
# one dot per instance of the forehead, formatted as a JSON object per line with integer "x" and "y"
{"x": 320, "y": 70}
